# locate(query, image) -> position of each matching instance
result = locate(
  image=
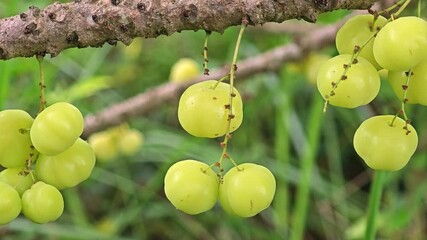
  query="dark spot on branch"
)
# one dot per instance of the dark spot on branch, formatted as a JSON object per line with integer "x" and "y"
{"x": 41, "y": 54}
{"x": 30, "y": 28}
{"x": 189, "y": 14}
{"x": 77, "y": 1}
{"x": 2, "y": 54}
{"x": 115, "y": 2}
{"x": 35, "y": 10}
{"x": 141, "y": 7}
{"x": 52, "y": 16}
{"x": 72, "y": 38}
{"x": 112, "y": 42}
{"x": 129, "y": 27}
{"x": 162, "y": 31}
{"x": 321, "y": 4}
{"x": 23, "y": 16}
{"x": 95, "y": 18}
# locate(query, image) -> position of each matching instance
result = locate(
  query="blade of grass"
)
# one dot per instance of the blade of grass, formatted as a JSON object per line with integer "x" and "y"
{"x": 307, "y": 163}
{"x": 282, "y": 151}
{"x": 4, "y": 83}
{"x": 336, "y": 174}
{"x": 75, "y": 207}
{"x": 374, "y": 204}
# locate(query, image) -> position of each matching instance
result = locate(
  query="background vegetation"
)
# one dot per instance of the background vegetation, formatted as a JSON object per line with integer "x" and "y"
{"x": 284, "y": 129}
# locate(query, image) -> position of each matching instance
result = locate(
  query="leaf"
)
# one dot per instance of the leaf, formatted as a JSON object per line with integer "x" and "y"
{"x": 81, "y": 89}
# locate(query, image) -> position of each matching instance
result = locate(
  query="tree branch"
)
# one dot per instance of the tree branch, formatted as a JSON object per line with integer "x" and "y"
{"x": 153, "y": 98}
{"x": 91, "y": 23}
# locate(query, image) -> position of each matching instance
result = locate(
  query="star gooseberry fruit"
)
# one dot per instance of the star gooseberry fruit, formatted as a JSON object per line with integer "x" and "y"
{"x": 42, "y": 203}
{"x": 247, "y": 189}
{"x": 356, "y": 32}
{"x": 401, "y": 44}
{"x": 203, "y": 109}
{"x": 417, "y": 86}
{"x": 359, "y": 86}
{"x": 56, "y": 128}
{"x": 384, "y": 144}
{"x": 191, "y": 186}
{"x": 15, "y": 141}
{"x": 183, "y": 70}
{"x": 10, "y": 203}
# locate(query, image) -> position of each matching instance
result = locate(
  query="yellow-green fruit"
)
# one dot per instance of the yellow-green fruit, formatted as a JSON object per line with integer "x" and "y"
{"x": 130, "y": 142}
{"x": 104, "y": 145}
{"x": 416, "y": 90}
{"x": 360, "y": 85}
{"x": 249, "y": 189}
{"x": 16, "y": 179}
{"x": 191, "y": 186}
{"x": 183, "y": 70}
{"x": 384, "y": 144}
{"x": 15, "y": 139}
{"x": 401, "y": 44}
{"x": 203, "y": 109}
{"x": 10, "y": 203}
{"x": 56, "y": 128}
{"x": 223, "y": 200}
{"x": 42, "y": 203}
{"x": 356, "y": 32}
{"x": 68, "y": 168}
{"x": 312, "y": 65}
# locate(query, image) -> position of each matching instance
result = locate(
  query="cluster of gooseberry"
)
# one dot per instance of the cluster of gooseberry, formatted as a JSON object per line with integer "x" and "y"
{"x": 192, "y": 186}
{"x": 41, "y": 156}
{"x": 368, "y": 43}
{"x": 212, "y": 109}
{"x": 110, "y": 143}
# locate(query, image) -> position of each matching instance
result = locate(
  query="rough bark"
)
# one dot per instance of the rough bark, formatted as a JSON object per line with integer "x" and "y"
{"x": 91, "y": 23}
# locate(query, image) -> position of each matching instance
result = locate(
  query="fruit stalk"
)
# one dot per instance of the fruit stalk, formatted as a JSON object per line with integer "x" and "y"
{"x": 205, "y": 54}
{"x": 233, "y": 69}
{"x": 397, "y": 4}
{"x": 41, "y": 84}
{"x": 397, "y": 13}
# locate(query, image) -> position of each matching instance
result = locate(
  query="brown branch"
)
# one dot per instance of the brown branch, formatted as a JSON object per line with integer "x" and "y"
{"x": 153, "y": 98}
{"x": 91, "y": 23}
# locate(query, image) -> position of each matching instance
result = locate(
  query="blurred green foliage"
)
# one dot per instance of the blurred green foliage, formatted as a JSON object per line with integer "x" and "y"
{"x": 124, "y": 199}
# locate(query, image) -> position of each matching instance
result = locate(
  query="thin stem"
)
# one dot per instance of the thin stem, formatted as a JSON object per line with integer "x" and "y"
{"x": 419, "y": 8}
{"x": 220, "y": 80}
{"x": 405, "y": 94}
{"x": 402, "y": 110}
{"x": 28, "y": 163}
{"x": 41, "y": 84}
{"x": 397, "y": 4}
{"x": 398, "y": 12}
{"x": 374, "y": 204}
{"x": 231, "y": 75}
{"x": 205, "y": 53}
